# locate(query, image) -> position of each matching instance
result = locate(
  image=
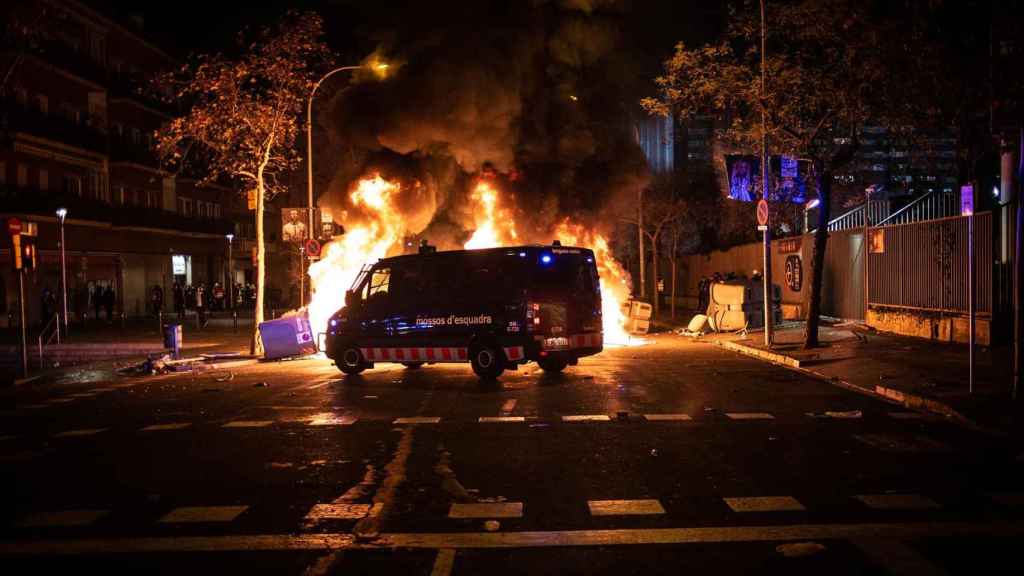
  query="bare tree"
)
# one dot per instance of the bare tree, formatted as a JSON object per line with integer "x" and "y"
{"x": 660, "y": 209}
{"x": 243, "y": 116}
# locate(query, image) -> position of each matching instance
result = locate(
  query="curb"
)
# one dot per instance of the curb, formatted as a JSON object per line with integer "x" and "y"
{"x": 905, "y": 399}
{"x": 773, "y": 357}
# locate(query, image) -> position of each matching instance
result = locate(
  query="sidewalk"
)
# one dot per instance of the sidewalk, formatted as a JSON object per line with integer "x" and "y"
{"x": 920, "y": 374}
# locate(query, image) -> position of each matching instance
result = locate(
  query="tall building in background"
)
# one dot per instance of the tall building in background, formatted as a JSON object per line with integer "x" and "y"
{"x": 77, "y": 133}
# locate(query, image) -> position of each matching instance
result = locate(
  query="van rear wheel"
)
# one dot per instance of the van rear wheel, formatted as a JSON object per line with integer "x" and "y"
{"x": 351, "y": 360}
{"x": 552, "y": 365}
{"x": 488, "y": 361}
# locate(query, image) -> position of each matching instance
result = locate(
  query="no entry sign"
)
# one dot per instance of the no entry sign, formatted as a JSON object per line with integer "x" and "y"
{"x": 313, "y": 248}
{"x": 762, "y": 212}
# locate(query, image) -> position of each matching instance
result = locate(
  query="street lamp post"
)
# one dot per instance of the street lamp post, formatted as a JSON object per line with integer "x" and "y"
{"x": 231, "y": 277}
{"x": 61, "y": 215}
{"x": 309, "y": 146}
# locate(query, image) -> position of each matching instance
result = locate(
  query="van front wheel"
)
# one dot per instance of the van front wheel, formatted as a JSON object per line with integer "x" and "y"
{"x": 488, "y": 361}
{"x": 351, "y": 361}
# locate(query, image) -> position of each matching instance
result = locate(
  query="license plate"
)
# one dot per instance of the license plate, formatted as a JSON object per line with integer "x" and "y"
{"x": 556, "y": 343}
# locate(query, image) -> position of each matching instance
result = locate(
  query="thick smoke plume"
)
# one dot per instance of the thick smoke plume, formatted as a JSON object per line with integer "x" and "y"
{"x": 534, "y": 95}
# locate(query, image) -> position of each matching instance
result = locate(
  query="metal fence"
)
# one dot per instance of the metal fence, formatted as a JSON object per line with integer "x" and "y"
{"x": 923, "y": 265}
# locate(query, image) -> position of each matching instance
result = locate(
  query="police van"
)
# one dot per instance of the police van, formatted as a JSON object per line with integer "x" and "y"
{"x": 494, "y": 308}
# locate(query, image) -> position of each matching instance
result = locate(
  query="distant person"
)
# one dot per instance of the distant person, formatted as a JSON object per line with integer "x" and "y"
{"x": 201, "y": 305}
{"x": 179, "y": 301}
{"x": 47, "y": 303}
{"x": 97, "y": 300}
{"x": 218, "y": 296}
{"x": 108, "y": 302}
{"x": 157, "y": 299}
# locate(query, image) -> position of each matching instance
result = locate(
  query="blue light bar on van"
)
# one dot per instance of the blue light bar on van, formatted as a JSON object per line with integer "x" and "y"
{"x": 546, "y": 259}
{"x": 522, "y": 254}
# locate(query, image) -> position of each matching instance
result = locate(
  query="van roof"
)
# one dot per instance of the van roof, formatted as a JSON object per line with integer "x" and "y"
{"x": 485, "y": 250}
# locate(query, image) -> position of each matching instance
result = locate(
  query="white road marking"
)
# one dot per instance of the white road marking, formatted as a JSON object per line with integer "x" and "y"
{"x": 62, "y": 518}
{"x": 896, "y": 557}
{"x": 667, "y": 417}
{"x": 490, "y": 540}
{"x": 170, "y": 426}
{"x": 83, "y": 395}
{"x": 337, "y": 511}
{"x": 80, "y": 432}
{"x": 508, "y": 406}
{"x": 317, "y": 386}
{"x": 59, "y": 400}
{"x": 202, "y": 514}
{"x": 248, "y": 424}
{"x": 443, "y": 563}
{"x": 764, "y": 504}
{"x": 1010, "y": 499}
{"x": 331, "y": 419}
{"x": 418, "y": 420}
{"x": 749, "y": 416}
{"x": 491, "y": 419}
{"x": 624, "y": 507}
{"x": 486, "y": 510}
{"x": 35, "y": 406}
{"x": 106, "y": 389}
{"x": 586, "y": 418}
{"x": 894, "y": 443}
{"x": 898, "y": 501}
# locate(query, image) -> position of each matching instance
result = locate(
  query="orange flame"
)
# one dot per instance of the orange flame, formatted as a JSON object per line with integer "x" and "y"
{"x": 362, "y": 244}
{"x": 381, "y": 228}
{"x": 493, "y": 224}
{"x": 615, "y": 282}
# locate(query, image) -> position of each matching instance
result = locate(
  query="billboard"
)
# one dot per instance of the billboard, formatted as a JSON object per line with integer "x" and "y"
{"x": 788, "y": 178}
{"x": 744, "y": 173}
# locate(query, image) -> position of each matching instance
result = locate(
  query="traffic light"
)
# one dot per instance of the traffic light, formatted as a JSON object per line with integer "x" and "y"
{"x": 16, "y": 244}
{"x": 28, "y": 254}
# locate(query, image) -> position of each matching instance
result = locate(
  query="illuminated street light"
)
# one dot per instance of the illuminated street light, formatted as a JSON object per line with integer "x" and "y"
{"x": 231, "y": 277}
{"x": 61, "y": 215}
{"x": 807, "y": 210}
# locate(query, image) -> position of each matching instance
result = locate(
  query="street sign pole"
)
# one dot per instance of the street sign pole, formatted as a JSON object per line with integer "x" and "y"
{"x": 24, "y": 333}
{"x": 767, "y": 275}
{"x": 967, "y": 209}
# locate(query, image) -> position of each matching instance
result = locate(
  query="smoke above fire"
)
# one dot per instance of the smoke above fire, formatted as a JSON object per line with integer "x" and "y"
{"x": 511, "y": 132}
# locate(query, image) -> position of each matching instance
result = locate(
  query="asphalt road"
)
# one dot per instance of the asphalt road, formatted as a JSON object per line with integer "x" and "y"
{"x": 669, "y": 458}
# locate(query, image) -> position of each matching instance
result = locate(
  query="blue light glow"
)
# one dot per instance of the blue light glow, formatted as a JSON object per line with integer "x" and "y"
{"x": 546, "y": 258}
{"x": 522, "y": 254}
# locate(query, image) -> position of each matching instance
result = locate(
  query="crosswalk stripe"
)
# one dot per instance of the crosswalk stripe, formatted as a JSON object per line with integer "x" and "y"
{"x": 486, "y": 510}
{"x": 331, "y": 419}
{"x": 507, "y": 540}
{"x": 749, "y": 416}
{"x": 907, "y": 415}
{"x": 418, "y": 420}
{"x": 191, "y": 514}
{"x": 338, "y": 511}
{"x": 897, "y": 558}
{"x": 764, "y": 504}
{"x": 83, "y": 395}
{"x": 586, "y": 418}
{"x": 624, "y": 507}
{"x": 898, "y": 501}
{"x": 81, "y": 432}
{"x": 169, "y": 426}
{"x": 62, "y": 518}
{"x": 248, "y": 424}
{"x": 491, "y": 419}
{"x": 667, "y": 417}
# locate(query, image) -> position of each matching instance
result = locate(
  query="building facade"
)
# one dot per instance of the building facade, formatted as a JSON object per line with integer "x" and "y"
{"x": 77, "y": 133}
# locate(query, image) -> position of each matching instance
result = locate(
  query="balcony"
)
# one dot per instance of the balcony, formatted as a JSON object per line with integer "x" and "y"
{"x": 123, "y": 150}
{"x": 15, "y": 117}
{"x": 76, "y": 62}
{"x": 45, "y": 203}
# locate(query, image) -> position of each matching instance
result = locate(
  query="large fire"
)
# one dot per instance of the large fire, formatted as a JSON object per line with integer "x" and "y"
{"x": 381, "y": 230}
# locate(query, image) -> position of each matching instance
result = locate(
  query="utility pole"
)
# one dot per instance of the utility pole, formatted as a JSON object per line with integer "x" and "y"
{"x": 767, "y": 275}
{"x": 640, "y": 236}
{"x": 1018, "y": 247}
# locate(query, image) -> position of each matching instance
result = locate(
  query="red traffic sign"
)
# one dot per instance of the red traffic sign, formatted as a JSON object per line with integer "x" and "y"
{"x": 313, "y": 248}
{"x": 13, "y": 226}
{"x": 762, "y": 212}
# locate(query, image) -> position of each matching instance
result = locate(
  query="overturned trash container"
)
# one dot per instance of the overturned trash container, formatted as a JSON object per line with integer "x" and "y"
{"x": 172, "y": 339}
{"x": 289, "y": 336}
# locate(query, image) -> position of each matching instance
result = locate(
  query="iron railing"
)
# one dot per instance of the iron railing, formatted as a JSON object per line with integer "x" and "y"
{"x": 53, "y": 328}
{"x": 873, "y": 210}
{"x": 931, "y": 206}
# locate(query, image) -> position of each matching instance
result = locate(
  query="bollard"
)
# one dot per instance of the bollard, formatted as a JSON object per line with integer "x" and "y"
{"x": 122, "y": 319}
{"x": 234, "y": 321}
{"x": 160, "y": 321}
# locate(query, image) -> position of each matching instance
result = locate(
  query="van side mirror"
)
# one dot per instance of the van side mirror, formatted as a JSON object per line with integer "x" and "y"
{"x": 350, "y": 298}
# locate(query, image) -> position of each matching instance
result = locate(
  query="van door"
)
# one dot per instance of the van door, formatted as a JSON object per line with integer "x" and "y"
{"x": 376, "y": 306}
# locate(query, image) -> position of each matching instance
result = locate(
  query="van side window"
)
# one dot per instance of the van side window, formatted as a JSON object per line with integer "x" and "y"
{"x": 377, "y": 287}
